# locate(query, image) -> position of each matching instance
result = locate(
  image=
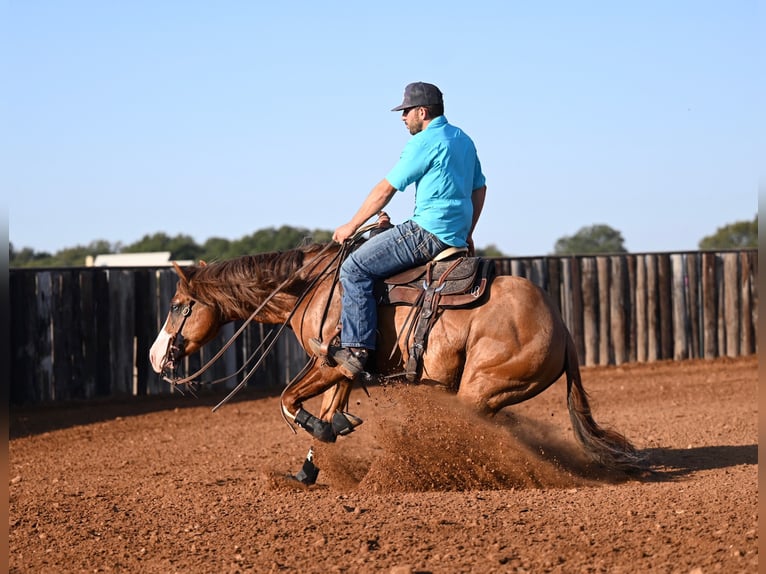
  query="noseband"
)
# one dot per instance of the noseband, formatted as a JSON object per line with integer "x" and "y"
{"x": 175, "y": 348}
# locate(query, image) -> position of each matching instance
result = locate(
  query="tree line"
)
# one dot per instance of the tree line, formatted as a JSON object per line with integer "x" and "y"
{"x": 592, "y": 239}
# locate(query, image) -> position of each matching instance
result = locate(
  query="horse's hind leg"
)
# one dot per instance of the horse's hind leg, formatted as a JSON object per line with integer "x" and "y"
{"x": 490, "y": 396}
{"x": 332, "y": 422}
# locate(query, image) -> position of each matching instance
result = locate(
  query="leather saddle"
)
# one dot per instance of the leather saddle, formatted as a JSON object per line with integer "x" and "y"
{"x": 460, "y": 282}
{"x": 444, "y": 284}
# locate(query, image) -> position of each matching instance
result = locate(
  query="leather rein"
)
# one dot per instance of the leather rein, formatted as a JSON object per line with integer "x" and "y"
{"x": 175, "y": 345}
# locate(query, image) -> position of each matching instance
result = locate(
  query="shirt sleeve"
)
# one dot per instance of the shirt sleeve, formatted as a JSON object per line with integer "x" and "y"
{"x": 412, "y": 165}
{"x": 478, "y": 176}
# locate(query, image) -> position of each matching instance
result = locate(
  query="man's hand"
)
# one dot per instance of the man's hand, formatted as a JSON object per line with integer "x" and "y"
{"x": 376, "y": 200}
{"x": 344, "y": 232}
{"x": 384, "y": 221}
{"x": 471, "y": 250}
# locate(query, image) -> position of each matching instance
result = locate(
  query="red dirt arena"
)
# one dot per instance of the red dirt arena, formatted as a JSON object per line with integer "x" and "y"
{"x": 164, "y": 485}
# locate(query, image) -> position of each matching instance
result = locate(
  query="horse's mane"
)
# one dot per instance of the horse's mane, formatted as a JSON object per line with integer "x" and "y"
{"x": 232, "y": 283}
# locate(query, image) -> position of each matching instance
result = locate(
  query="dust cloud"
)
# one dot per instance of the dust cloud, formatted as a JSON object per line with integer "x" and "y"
{"x": 424, "y": 439}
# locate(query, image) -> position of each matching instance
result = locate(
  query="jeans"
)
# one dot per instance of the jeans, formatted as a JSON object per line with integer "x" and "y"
{"x": 399, "y": 248}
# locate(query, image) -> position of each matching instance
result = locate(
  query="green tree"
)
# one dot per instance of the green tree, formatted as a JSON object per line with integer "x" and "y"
{"x": 737, "y": 235}
{"x": 68, "y": 257}
{"x": 27, "y": 257}
{"x": 148, "y": 243}
{"x": 490, "y": 250}
{"x": 180, "y": 246}
{"x": 282, "y": 239}
{"x": 591, "y": 239}
{"x": 321, "y": 236}
{"x": 216, "y": 249}
{"x": 72, "y": 256}
{"x": 184, "y": 247}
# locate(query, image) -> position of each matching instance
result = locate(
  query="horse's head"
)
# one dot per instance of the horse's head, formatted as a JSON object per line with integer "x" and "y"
{"x": 190, "y": 324}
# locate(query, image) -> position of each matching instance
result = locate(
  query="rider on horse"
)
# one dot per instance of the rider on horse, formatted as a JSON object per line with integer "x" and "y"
{"x": 442, "y": 162}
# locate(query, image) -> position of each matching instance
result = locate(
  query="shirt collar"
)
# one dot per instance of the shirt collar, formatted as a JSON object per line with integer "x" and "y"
{"x": 438, "y": 121}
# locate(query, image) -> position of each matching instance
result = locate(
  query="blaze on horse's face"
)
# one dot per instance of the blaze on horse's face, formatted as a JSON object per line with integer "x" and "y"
{"x": 189, "y": 325}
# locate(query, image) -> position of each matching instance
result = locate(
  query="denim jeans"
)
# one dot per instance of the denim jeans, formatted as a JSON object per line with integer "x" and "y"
{"x": 399, "y": 248}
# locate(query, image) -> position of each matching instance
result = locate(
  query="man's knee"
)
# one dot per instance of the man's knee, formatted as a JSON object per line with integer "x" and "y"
{"x": 352, "y": 270}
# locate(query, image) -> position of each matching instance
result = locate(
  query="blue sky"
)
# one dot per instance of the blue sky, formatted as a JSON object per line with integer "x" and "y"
{"x": 217, "y": 119}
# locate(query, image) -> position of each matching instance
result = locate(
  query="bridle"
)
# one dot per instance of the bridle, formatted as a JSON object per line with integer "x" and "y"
{"x": 175, "y": 348}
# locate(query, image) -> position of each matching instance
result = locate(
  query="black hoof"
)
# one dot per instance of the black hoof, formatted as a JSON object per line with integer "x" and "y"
{"x": 309, "y": 471}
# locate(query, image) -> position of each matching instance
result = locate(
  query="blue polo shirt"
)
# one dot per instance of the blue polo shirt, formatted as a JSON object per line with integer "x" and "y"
{"x": 442, "y": 163}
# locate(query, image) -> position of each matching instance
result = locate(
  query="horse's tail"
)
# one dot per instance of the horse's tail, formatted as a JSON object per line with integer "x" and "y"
{"x": 605, "y": 446}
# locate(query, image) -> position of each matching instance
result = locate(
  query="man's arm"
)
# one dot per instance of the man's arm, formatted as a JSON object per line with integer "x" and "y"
{"x": 376, "y": 200}
{"x": 477, "y": 198}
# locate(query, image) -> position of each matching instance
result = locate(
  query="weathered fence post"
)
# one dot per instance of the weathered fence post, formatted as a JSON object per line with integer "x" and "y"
{"x": 731, "y": 283}
{"x": 693, "y": 307}
{"x": 642, "y": 310}
{"x": 664, "y": 289}
{"x": 590, "y": 309}
{"x": 43, "y": 378}
{"x": 603, "y": 281}
{"x": 747, "y": 345}
{"x": 653, "y": 351}
{"x": 618, "y": 310}
{"x": 679, "y": 295}
{"x": 709, "y": 305}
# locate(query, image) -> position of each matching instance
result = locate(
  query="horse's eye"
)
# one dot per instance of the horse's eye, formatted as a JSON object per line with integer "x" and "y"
{"x": 175, "y": 308}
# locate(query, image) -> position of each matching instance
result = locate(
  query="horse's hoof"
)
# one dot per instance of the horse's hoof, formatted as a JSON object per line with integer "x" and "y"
{"x": 308, "y": 473}
{"x": 345, "y": 423}
{"x": 318, "y": 428}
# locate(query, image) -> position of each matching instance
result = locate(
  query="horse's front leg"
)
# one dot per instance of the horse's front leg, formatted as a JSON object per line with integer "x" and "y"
{"x": 335, "y": 399}
{"x": 332, "y": 422}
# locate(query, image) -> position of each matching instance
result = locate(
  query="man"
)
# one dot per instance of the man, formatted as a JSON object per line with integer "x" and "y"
{"x": 442, "y": 162}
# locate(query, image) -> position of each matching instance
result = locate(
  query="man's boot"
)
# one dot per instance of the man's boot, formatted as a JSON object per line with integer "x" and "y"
{"x": 350, "y": 360}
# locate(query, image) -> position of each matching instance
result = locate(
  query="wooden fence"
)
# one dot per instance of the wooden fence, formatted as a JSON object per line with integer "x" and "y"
{"x": 82, "y": 333}
{"x": 639, "y": 308}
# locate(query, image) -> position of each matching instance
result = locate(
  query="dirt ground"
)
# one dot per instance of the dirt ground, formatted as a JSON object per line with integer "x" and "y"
{"x": 165, "y": 485}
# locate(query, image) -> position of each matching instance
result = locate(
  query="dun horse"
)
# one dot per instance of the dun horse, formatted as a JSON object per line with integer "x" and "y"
{"x": 504, "y": 351}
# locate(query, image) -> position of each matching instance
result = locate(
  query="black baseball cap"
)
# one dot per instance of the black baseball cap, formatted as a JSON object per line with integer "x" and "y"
{"x": 419, "y": 94}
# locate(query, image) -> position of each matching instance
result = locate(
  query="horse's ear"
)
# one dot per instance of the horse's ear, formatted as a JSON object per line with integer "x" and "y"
{"x": 202, "y": 263}
{"x": 180, "y": 272}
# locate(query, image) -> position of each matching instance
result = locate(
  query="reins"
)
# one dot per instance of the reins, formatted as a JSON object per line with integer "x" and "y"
{"x": 345, "y": 248}
{"x": 282, "y": 327}
{"x": 253, "y": 315}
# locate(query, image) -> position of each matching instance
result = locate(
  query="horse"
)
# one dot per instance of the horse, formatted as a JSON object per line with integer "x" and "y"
{"x": 499, "y": 353}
